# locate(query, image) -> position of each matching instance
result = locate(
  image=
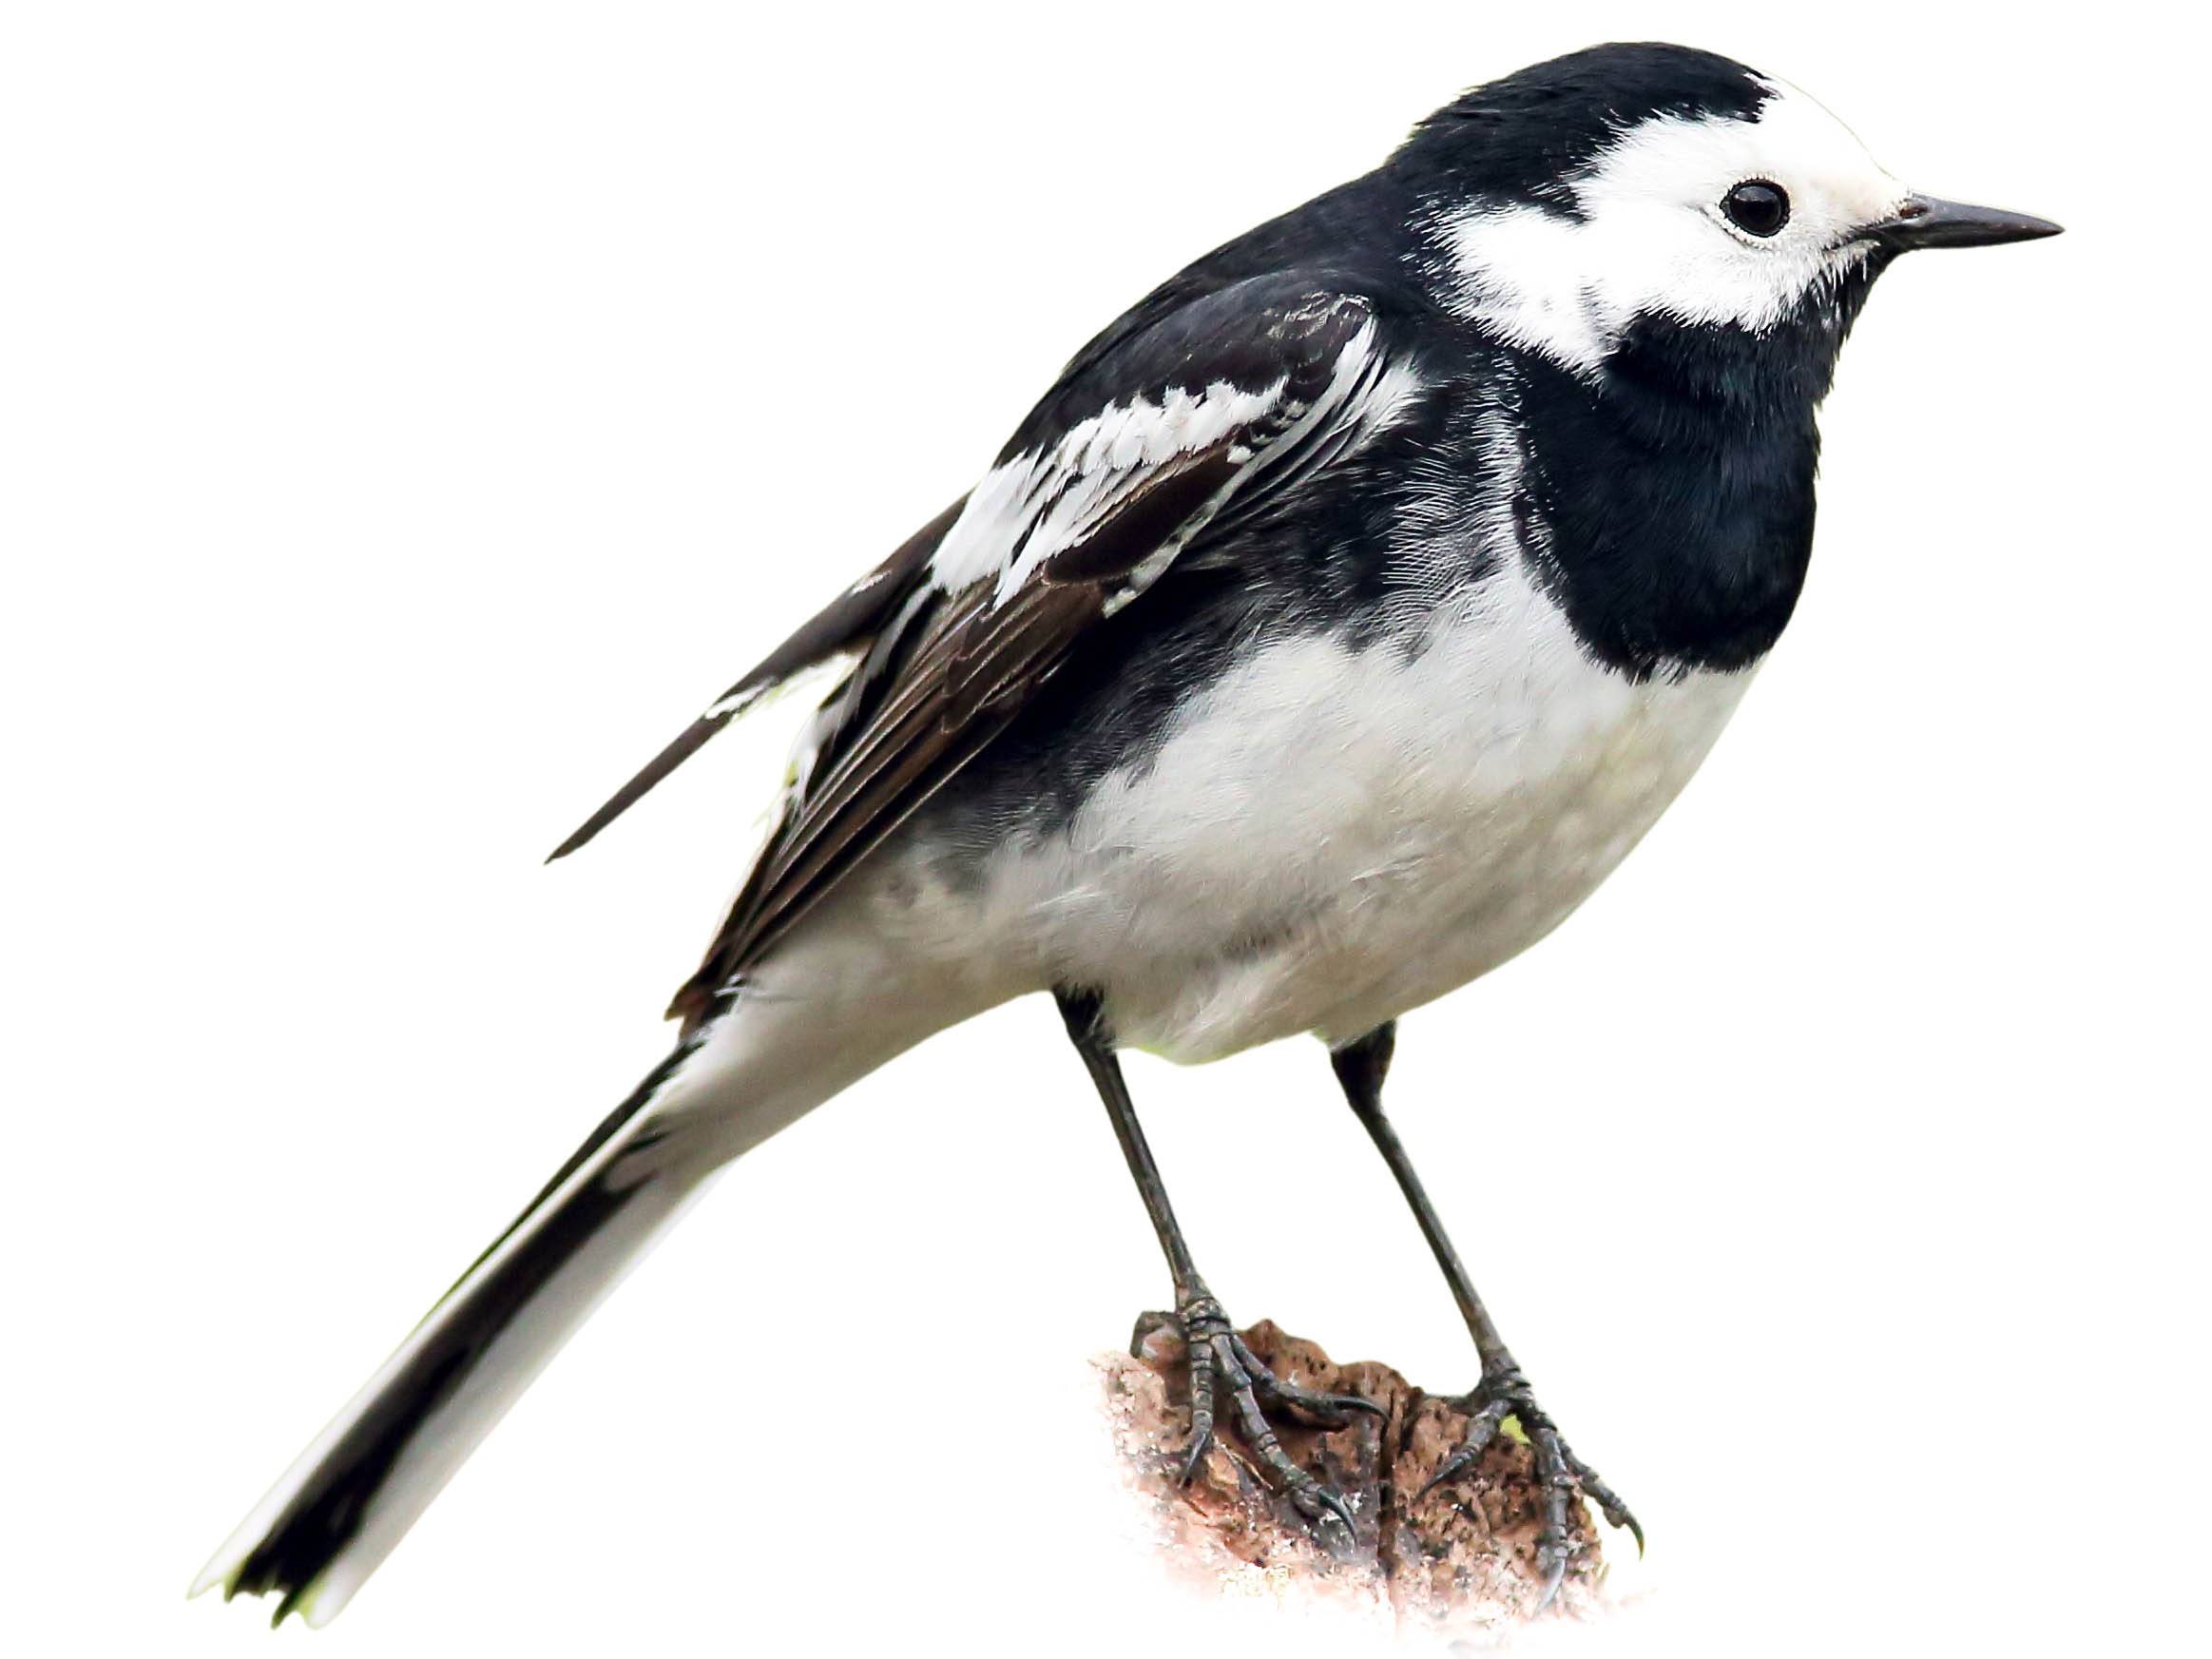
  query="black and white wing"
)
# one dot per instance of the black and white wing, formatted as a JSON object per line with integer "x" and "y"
{"x": 1214, "y": 409}
{"x": 846, "y": 625}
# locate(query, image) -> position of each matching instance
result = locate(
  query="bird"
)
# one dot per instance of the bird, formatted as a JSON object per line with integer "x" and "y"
{"x": 1333, "y": 626}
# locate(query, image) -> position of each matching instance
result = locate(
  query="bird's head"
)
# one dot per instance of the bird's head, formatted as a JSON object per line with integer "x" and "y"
{"x": 1583, "y": 205}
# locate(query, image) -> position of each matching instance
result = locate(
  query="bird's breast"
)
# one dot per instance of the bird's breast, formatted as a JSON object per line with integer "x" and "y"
{"x": 1333, "y": 831}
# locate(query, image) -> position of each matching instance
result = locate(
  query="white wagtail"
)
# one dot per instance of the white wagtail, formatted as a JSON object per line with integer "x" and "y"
{"x": 1336, "y": 622}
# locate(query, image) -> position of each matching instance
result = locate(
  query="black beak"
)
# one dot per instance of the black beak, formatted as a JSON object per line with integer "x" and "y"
{"x": 1929, "y": 221}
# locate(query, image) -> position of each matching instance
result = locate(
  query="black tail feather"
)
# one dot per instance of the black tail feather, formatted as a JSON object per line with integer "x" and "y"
{"x": 296, "y": 1547}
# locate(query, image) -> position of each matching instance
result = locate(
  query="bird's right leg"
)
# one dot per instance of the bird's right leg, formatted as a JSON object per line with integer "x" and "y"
{"x": 1219, "y": 1358}
{"x": 1503, "y": 1393}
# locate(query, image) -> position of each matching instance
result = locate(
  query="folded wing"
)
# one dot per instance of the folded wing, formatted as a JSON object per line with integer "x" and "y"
{"x": 1217, "y": 409}
{"x": 846, "y": 624}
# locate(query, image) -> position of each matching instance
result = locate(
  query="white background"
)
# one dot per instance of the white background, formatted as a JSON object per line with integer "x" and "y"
{"x": 414, "y": 413}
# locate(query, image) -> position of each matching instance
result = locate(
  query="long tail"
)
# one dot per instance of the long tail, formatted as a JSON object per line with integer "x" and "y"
{"x": 831, "y": 1005}
{"x": 339, "y": 1510}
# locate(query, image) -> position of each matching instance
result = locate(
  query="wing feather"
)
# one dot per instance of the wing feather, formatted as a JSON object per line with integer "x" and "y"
{"x": 850, "y": 619}
{"x": 932, "y": 738}
{"x": 1245, "y": 392}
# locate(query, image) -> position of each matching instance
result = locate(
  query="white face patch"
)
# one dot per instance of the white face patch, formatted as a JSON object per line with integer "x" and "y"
{"x": 1653, "y": 241}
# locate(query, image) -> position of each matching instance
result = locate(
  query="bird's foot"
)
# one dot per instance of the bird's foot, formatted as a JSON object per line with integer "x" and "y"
{"x": 1504, "y": 1397}
{"x": 1223, "y": 1366}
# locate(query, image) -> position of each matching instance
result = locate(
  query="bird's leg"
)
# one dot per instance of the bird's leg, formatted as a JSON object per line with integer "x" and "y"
{"x": 1219, "y": 1358}
{"x": 1503, "y": 1392}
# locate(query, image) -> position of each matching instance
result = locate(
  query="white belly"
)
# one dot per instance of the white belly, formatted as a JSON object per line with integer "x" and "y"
{"x": 1330, "y": 837}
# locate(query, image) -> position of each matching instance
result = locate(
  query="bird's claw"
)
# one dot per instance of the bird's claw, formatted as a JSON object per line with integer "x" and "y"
{"x": 1504, "y": 1393}
{"x": 1222, "y": 1363}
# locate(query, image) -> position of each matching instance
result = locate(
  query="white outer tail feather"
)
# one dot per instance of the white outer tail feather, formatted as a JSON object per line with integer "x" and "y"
{"x": 432, "y": 1454}
{"x": 835, "y": 1002}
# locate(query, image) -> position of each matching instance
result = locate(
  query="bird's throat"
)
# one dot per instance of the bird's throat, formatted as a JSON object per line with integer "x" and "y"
{"x": 1668, "y": 501}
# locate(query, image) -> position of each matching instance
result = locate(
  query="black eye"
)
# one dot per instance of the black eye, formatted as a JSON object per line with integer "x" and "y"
{"x": 1757, "y": 205}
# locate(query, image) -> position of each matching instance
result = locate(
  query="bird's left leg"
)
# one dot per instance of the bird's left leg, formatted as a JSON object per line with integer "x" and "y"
{"x": 1218, "y": 1356}
{"x": 1504, "y": 1392}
